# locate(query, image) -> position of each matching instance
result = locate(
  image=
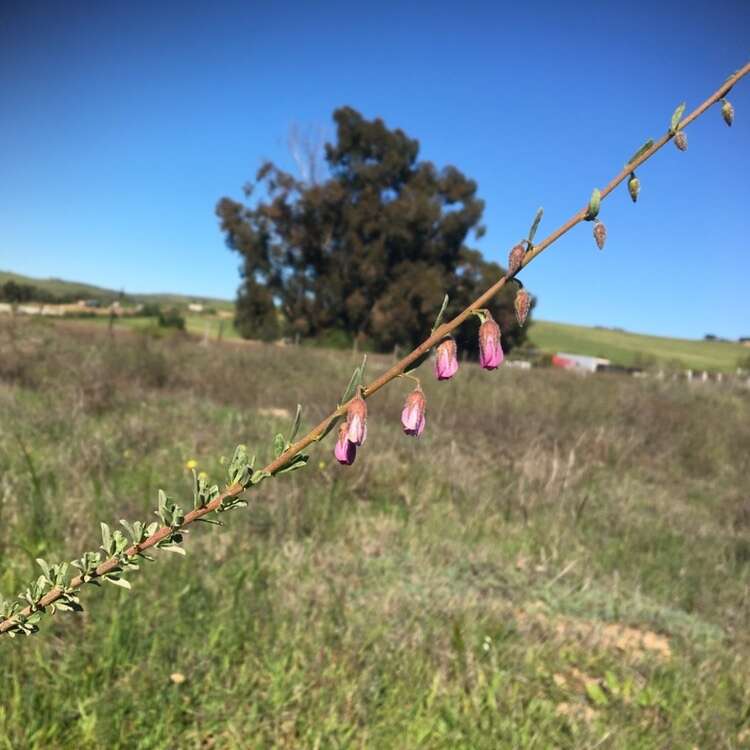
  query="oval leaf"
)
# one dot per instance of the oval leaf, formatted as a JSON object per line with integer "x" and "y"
{"x": 535, "y": 225}
{"x": 676, "y": 117}
{"x": 642, "y": 150}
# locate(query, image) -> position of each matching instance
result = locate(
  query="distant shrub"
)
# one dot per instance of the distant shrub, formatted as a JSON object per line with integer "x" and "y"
{"x": 171, "y": 319}
{"x": 150, "y": 310}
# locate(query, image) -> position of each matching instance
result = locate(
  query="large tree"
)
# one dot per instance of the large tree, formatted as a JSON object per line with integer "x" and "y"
{"x": 369, "y": 252}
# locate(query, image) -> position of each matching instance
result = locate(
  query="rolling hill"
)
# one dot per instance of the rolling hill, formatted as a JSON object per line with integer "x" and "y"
{"x": 636, "y": 349}
{"x": 89, "y": 291}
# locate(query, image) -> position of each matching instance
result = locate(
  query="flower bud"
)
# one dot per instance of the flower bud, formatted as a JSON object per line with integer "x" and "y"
{"x": 634, "y": 187}
{"x": 515, "y": 259}
{"x": 727, "y": 112}
{"x": 522, "y": 304}
{"x": 356, "y": 418}
{"x": 344, "y": 450}
{"x": 490, "y": 350}
{"x": 600, "y": 234}
{"x": 412, "y": 415}
{"x": 680, "y": 140}
{"x": 446, "y": 362}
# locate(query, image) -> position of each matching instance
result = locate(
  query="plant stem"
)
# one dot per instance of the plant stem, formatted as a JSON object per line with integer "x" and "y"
{"x": 396, "y": 370}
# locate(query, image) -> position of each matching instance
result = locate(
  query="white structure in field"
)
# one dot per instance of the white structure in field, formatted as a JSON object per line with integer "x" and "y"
{"x": 580, "y": 362}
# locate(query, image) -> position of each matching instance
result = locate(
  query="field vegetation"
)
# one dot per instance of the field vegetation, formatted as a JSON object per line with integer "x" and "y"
{"x": 555, "y": 563}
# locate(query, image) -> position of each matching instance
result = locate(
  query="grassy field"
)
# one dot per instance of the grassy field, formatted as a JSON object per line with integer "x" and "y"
{"x": 637, "y": 349}
{"x": 200, "y": 325}
{"x": 555, "y": 563}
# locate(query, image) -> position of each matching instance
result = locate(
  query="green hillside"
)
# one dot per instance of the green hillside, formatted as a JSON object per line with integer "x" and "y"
{"x": 635, "y": 349}
{"x": 89, "y": 291}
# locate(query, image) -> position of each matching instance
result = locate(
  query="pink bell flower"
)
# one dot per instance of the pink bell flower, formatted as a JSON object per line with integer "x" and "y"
{"x": 412, "y": 415}
{"x": 356, "y": 418}
{"x": 490, "y": 350}
{"x": 345, "y": 451}
{"x": 446, "y": 362}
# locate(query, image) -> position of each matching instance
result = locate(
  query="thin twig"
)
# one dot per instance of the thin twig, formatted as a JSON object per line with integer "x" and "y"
{"x": 395, "y": 371}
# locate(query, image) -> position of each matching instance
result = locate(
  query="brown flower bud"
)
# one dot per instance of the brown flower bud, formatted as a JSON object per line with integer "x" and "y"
{"x": 600, "y": 234}
{"x": 727, "y": 112}
{"x": 680, "y": 140}
{"x": 522, "y": 303}
{"x": 634, "y": 187}
{"x": 515, "y": 259}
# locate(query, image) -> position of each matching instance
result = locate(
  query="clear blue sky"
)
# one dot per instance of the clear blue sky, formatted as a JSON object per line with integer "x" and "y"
{"x": 123, "y": 123}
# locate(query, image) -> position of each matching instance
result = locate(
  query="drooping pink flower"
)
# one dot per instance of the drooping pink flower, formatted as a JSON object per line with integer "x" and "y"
{"x": 412, "y": 415}
{"x": 446, "y": 362}
{"x": 490, "y": 350}
{"x": 345, "y": 451}
{"x": 356, "y": 417}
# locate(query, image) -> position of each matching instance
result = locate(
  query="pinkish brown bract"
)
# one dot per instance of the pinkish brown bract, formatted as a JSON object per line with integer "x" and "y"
{"x": 522, "y": 305}
{"x": 515, "y": 259}
{"x": 446, "y": 362}
{"x": 356, "y": 417}
{"x": 412, "y": 415}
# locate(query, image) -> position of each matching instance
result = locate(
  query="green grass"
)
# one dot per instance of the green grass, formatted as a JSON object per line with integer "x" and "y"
{"x": 553, "y": 564}
{"x": 195, "y": 324}
{"x": 630, "y": 349}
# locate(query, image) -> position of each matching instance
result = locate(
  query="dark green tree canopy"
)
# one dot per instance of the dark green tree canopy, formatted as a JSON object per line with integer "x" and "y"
{"x": 369, "y": 252}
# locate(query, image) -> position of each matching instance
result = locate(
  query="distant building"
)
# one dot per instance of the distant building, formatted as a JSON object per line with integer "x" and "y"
{"x": 196, "y": 307}
{"x": 580, "y": 362}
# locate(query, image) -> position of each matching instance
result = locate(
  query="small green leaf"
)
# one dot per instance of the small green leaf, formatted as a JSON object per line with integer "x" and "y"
{"x": 296, "y": 424}
{"x": 258, "y": 476}
{"x": 642, "y": 150}
{"x": 129, "y": 528}
{"x": 44, "y": 566}
{"x": 439, "y": 318}
{"x": 613, "y": 685}
{"x": 535, "y": 225}
{"x": 353, "y": 382}
{"x": 175, "y": 548}
{"x": 279, "y": 445}
{"x": 106, "y": 538}
{"x": 297, "y": 462}
{"x": 594, "y": 203}
{"x": 596, "y": 694}
{"x": 162, "y": 512}
{"x": 362, "y": 371}
{"x": 676, "y": 117}
{"x": 121, "y": 582}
